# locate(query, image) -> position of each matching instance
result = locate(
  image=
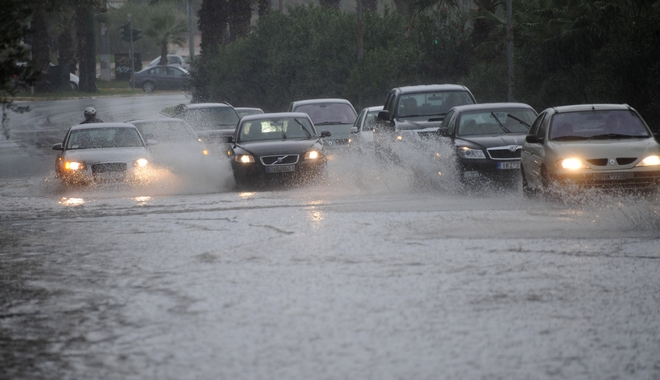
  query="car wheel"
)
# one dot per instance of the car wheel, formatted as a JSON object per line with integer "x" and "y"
{"x": 74, "y": 86}
{"x": 527, "y": 191}
{"x": 148, "y": 87}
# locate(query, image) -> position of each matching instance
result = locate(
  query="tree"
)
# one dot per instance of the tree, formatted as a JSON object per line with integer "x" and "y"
{"x": 167, "y": 30}
{"x": 212, "y": 24}
{"x": 240, "y": 14}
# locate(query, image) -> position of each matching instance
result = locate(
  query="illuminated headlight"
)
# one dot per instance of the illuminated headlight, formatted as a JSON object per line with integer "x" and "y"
{"x": 141, "y": 163}
{"x": 72, "y": 165}
{"x": 205, "y": 152}
{"x": 405, "y": 136}
{"x": 244, "y": 158}
{"x": 650, "y": 161}
{"x": 399, "y": 138}
{"x": 571, "y": 164}
{"x": 469, "y": 153}
{"x": 312, "y": 155}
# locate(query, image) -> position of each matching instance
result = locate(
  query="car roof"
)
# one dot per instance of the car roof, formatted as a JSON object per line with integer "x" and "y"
{"x": 247, "y": 108}
{"x": 274, "y": 115}
{"x": 590, "y": 107}
{"x": 491, "y": 106}
{"x": 321, "y": 101}
{"x": 194, "y": 106}
{"x": 102, "y": 125}
{"x": 432, "y": 88}
{"x": 374, "y": 108}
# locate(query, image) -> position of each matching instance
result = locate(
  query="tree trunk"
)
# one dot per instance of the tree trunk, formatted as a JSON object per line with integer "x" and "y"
{"x": 333, "y": 4}
{"x": 370, "y": 5}
{"x": 403, "y": 8}
{"x": 86, "y": 48}
{"x": 240, "y": 14}
{"x": 212, "y": 25}
{"x": 264, "y": 8}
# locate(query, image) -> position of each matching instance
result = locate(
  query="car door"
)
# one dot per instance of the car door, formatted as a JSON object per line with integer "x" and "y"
{"x": 533, "y": 153}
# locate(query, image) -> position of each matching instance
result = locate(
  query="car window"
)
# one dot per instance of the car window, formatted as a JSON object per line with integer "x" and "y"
{"x": 157, "y": 71}
{"x": 597, "y": 124}
{"x": 448, "y": 122}
{"x": 359, "y": 122}
{"x": 276, "y": 129}
{"x": 370, "y": 120}
{"x": 173, "y": 60}
{"x": 104, "y": 138}
{"x": 171, "y": 71}
{"x": 495, "y": 122}
{"x": 431, "y": 103}
{"x": 166, "y": 131}
{"x": 329, "y": 113}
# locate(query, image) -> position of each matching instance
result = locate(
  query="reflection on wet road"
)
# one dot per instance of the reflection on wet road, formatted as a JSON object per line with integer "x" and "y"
{"x": 369, "y": 275}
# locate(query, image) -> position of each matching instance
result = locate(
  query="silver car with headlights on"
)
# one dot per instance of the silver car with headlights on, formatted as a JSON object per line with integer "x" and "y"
{"x": 605, "y": 146}
{"x": 98, "y": 152}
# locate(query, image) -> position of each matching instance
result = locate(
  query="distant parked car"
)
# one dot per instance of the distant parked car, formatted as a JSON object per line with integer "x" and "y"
{"x": 276, "y": 146}
{"x": 244, "y": 111}
{"x": 161, "y": 78}
{"x": 100, "y": 152}
{"x": 334, "y": 115}
{"x": 605, "y": 146}
{"x": 173, "y": 60}
{"x": 362, "y": 132}
{"x": 487, "y": 138}
{"x": 172, "y": 142}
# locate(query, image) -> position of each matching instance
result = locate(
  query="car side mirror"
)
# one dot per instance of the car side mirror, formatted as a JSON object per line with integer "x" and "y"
{"x": 230, "y": 140}
{"x": 354, "y": 130}
{"x": 444, "y": 132}
{"x": 384, "y": 115}
{"x": 533, "y": 139}
{"x": 58, "y": 146}
{"x": 326, "y": 133}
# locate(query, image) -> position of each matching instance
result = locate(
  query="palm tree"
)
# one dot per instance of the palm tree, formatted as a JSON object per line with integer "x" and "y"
{"x": 167, "y": 31}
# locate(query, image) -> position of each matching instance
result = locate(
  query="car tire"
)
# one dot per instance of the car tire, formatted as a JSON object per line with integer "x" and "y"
{"x": 74, "y": 86}
{"x": 527, "y": 191}
{"x": 148, "y": 87}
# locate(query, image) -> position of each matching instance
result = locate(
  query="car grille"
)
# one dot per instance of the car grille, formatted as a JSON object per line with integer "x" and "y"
{"x": 637, "y": 180}
{"x": 619, "y": 160}
{"x": 281, "y": 159}
{"x": 109, "y": 167}
{"x": 505, "y": 153}
{"x": 427, "y": 135}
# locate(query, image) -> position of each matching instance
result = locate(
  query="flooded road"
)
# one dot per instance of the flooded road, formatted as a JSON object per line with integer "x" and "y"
{"x": 364, "y": 276}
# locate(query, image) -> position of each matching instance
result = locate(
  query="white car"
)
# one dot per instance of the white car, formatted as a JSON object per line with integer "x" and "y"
{"x": 173, "y": 60}
{"x": 362, "y": 132}
{"x": 99, "y": 152}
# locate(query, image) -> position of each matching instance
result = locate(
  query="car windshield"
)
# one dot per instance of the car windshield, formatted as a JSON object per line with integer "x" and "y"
{"x": 284, "y": 128}
{"x": 431, "y": 103}
{"x": 211, "y": 118}
{"x": 495, "y": 122}
{"x": 165, "y": 131}
{"x": 104, "y": 138}
{"x": 597, "y": 124}
{"x": 329, "y": 113}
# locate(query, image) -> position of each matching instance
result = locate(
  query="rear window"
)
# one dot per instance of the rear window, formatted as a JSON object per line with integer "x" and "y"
{"x": 329, "y": 113}
{"x": 212, "y": 118}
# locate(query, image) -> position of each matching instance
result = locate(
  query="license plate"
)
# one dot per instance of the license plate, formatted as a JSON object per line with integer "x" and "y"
{"x": 509, "y": 165}
{"x": 280, "y": 169}
{"x": 613, "y": 176}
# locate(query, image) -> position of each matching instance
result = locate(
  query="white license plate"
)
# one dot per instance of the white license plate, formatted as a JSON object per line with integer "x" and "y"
{"x": 509, "y": 165}
{"x": 280, "y": 169}
{"x": 612, "y": 176}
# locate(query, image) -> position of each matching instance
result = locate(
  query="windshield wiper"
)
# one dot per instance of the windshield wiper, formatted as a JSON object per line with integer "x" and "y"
{"x": 569, "y": 138}
{"x": 615, "y": 136}
{"x": 283, "y": 135}
{"x": 500, "y": 123}
{"x": 309, "y": 135}
{"x": 519, "y": 120}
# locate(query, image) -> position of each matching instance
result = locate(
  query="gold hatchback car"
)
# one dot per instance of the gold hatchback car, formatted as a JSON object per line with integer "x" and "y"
{"x": 590, "y": 146}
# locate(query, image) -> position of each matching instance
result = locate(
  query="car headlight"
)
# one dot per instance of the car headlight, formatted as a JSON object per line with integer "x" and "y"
{"x": 405, "y": 136}
{"x": 73, "y": 165}
{"x": 313, "y": 155}
{"x": 650, "y": 161}
{"x": 471, "y": 154}
{"x": 244, "y": 158}
{"x": 571, "y": 164}
{"x": 141, "y": 163}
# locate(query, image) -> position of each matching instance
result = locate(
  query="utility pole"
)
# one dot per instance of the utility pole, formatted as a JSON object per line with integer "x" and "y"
{"x": 131, "y": 54}
{"x": 360, "y": 42}
{"x": 509, "y": 49}
{"x": 191, "y": 33}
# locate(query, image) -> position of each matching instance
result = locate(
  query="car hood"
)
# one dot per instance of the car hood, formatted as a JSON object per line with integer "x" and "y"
{"x": 261, "y": 148}
{"x": 339, "y": 131}
{"x": 605, "y": 148}
{"x": 493, "y": 140}
{"x": 432, "y": 123}
{"x": 107, "y": 154}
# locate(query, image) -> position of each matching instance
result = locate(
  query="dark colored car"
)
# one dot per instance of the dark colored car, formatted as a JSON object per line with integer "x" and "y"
{"x": 213, "y": 122}
{"x": 334, "y": 115}
{"x": 276, "y": 146}
{"x": 415, "y": 112}
{"x": 161, "y": 78}
{"x": 603, "y": 146}
{"x": 488, "y": 138}
{"x": 244, "y": 111}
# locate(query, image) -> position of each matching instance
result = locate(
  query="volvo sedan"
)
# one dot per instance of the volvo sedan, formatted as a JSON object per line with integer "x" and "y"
{"x": 275, "y": 147}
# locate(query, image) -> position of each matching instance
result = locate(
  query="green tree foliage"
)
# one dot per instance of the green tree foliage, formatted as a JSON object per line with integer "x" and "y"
{"x": 168, "y": 31}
